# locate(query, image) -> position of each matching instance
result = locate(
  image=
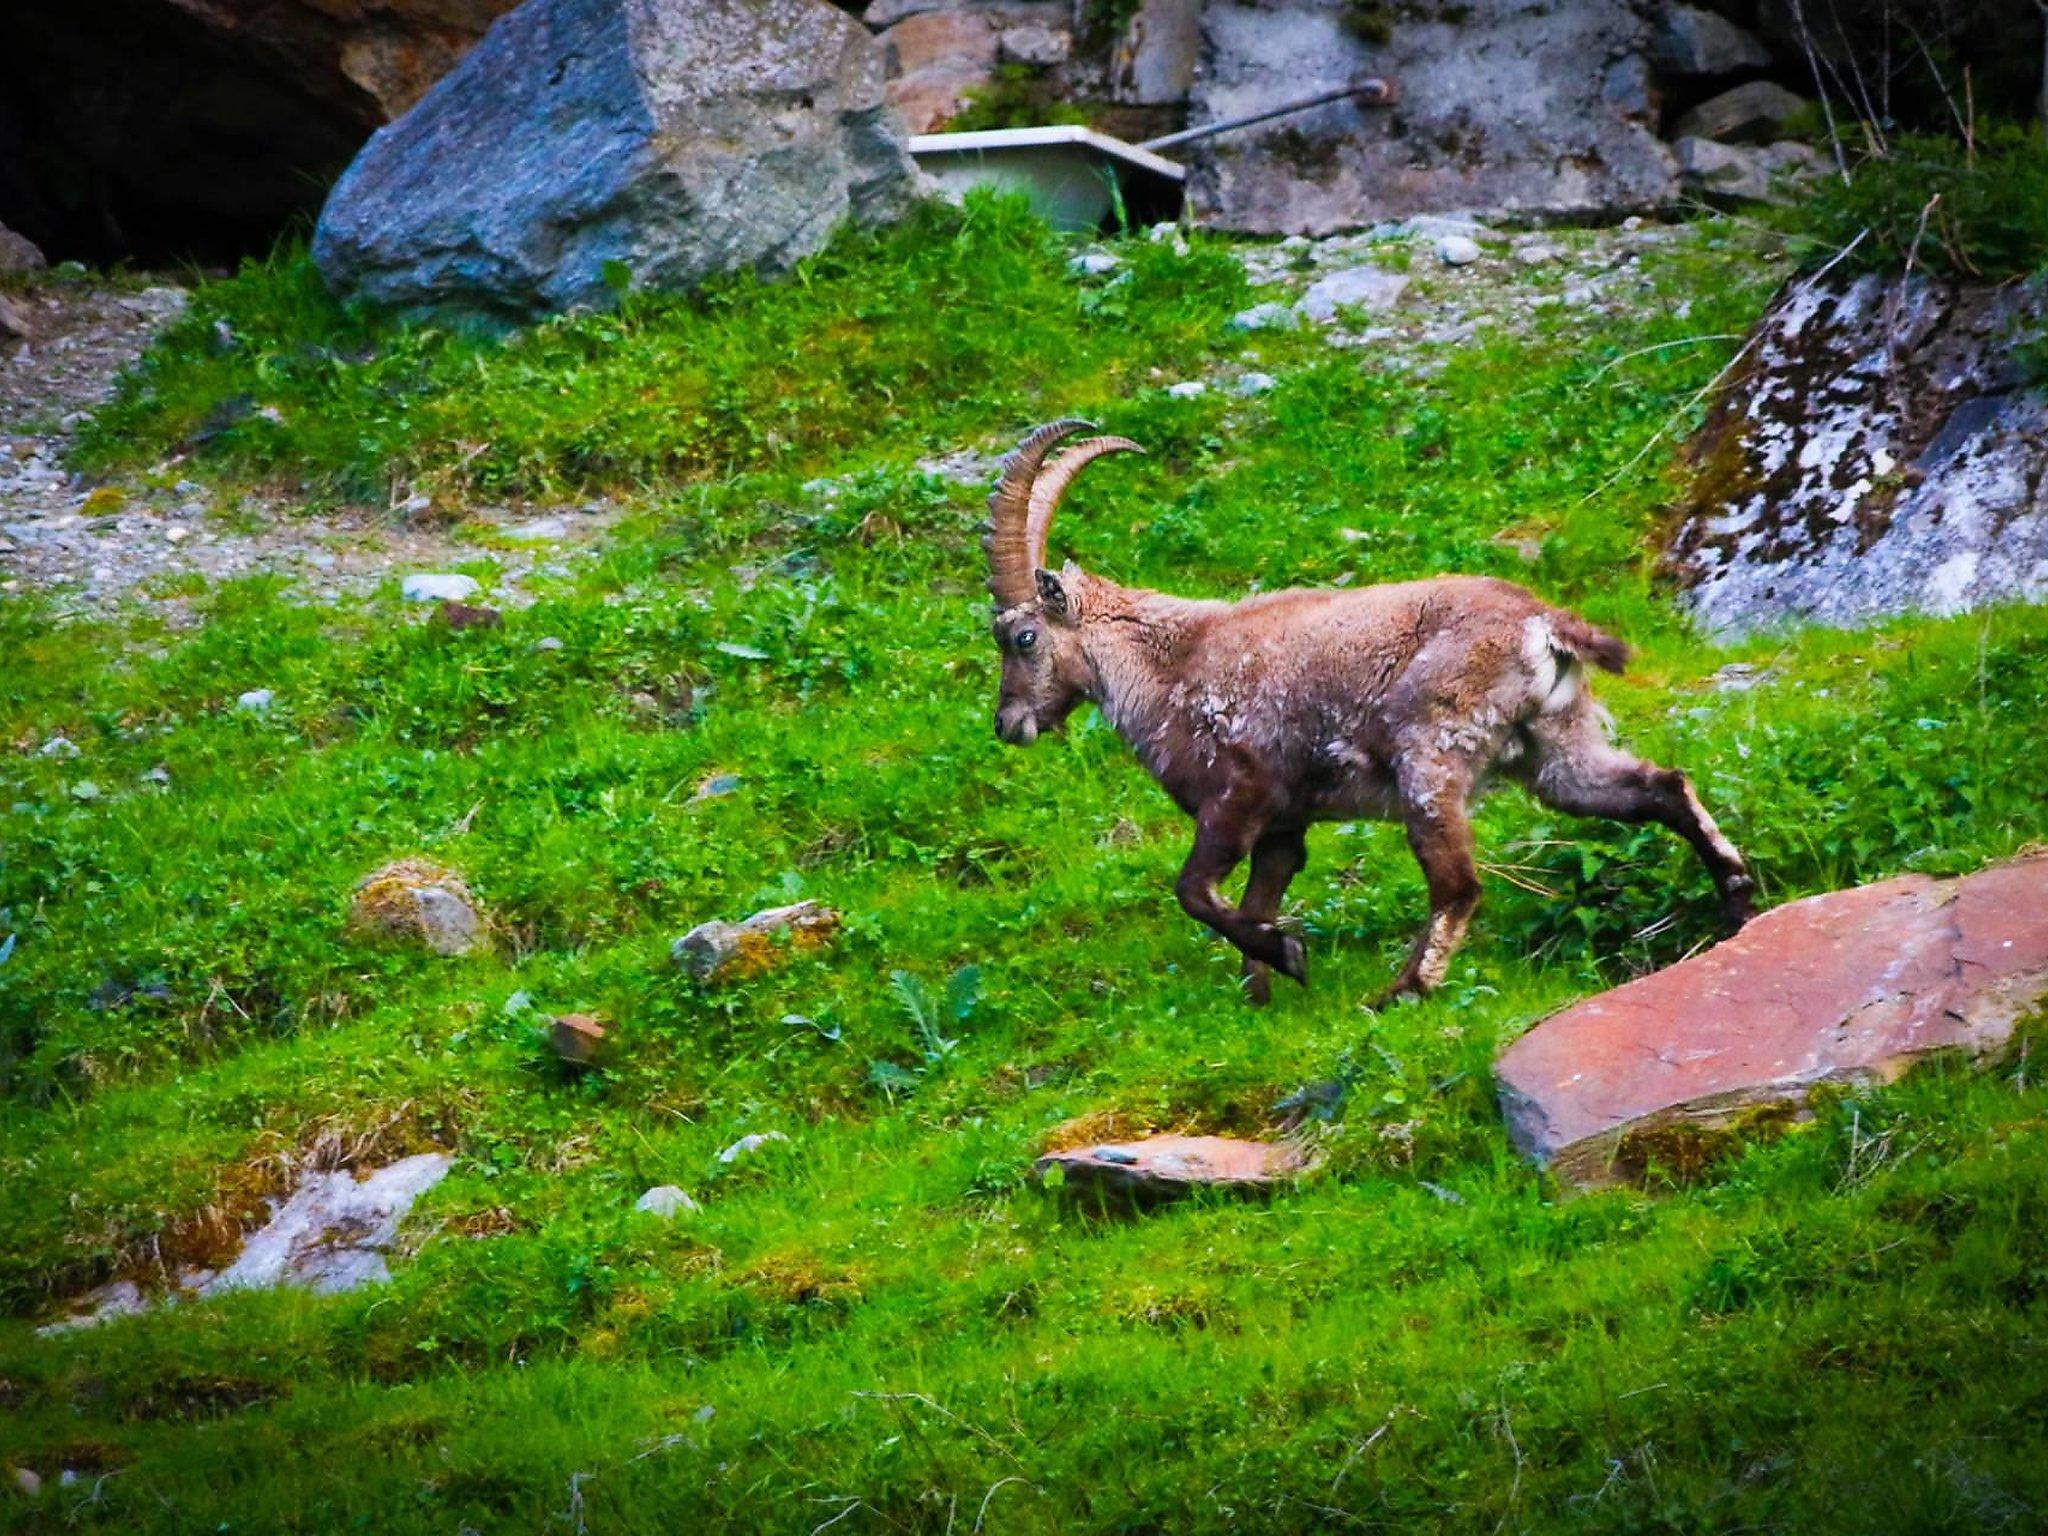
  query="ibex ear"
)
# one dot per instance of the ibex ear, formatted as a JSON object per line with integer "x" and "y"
{"x": 1052, "y": 596}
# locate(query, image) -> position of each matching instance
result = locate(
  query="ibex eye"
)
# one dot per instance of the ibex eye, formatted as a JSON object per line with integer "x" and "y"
{"x": 1026, "y": 638}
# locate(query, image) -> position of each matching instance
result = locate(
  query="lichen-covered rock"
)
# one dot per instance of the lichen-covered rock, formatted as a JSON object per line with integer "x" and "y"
{"x": 1514, "y": 108}
{"x": 747, "y": 948}
{"x": 1878, "y": 453}
{"x": 585, "y": 144}
{"x": 420, "y": 901}
{"x": 1849, "y": 987}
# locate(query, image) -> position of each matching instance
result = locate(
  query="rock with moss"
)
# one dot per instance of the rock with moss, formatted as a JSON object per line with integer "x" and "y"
{"x": 1881, "y": 452}
{"x": 588, "y": 146}
{"x": 420, "y": 902}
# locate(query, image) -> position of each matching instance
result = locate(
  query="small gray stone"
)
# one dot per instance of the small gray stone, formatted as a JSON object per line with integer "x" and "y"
{"x": 665, "y": 1201}
{"x": 1094, "y": 263}
{"x": 1360, "y": 288}
{"x": 1436, "y": 226}
{"x": 256, "y": 701}
{"x": 547, "y": 644}
{"x": 58, "y": 746}
{"x": 439, "y": 587}
{"x": 1269, "y": 316}
{"x": 537, "y": 530}
{"x": 717, "y": 786}
{"x": 1249, "y": 384}
{"x": 1457, "y": 250}
{"x": 1188, "y": 389}
{"x": 753, "y": 1142}
{"x": 85, "y": 789}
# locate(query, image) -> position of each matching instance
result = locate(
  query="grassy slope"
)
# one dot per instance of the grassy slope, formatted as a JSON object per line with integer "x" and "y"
{"x": 877, "y": 1320}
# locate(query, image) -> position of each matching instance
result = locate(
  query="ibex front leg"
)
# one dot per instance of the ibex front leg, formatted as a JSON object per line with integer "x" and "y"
{"x": 1224, "y": 833}
{"x": 1276, "y": 859}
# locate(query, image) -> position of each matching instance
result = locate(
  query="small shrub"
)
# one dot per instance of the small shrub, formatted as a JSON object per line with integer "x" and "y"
{"x": 1938, "y": 206}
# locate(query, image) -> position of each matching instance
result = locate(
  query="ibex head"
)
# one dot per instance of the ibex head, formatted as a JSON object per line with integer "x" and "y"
{"x": 1037, "y": 625}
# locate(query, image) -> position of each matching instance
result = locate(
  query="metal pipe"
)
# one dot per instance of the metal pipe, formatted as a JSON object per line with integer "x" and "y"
{"x": 1377, "y": 90}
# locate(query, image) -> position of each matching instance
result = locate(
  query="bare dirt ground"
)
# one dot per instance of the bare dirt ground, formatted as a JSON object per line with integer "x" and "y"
{"x": 92, "y": 545}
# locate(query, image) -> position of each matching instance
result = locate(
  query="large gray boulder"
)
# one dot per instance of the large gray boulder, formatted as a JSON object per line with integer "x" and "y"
{"x": 1537, "y": 108}
{"x": 583, "y": 140}
{"x": 1880, "y": 452}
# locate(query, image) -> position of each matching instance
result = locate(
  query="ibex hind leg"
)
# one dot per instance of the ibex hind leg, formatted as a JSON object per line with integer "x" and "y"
{"x": 1575, "y": 769}
{"x": 1434, "y": 787}
{"x": 1276, "y": 859}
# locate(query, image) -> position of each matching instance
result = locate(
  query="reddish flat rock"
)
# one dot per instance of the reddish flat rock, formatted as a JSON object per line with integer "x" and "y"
{"x": 1852, "y": 986}
{"x": 1165, "y": 1166}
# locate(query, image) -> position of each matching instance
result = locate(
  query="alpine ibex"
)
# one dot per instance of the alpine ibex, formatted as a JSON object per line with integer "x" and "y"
{"x": 1258, "y": 717}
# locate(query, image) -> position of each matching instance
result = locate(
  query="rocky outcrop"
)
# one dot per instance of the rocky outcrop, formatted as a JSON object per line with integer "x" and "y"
{"x": 1851, "y": 987}
{"x": 1542, "y": 111}
{"x": 18, "y": 253}
{"x": 586, "y": 144}
{"x": 1881, "y": 451}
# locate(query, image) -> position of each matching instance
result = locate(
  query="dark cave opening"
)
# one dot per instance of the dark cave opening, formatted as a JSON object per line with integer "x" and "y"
{"x": 131, "y": 132}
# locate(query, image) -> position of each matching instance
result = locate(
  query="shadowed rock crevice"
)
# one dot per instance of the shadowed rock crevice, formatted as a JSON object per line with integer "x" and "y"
{"x": 130, "y": 130}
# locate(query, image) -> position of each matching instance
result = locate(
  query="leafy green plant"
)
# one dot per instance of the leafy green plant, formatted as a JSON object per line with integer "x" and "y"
{"x": 930, "y": 1017}
{"x": 1976, "y": 212}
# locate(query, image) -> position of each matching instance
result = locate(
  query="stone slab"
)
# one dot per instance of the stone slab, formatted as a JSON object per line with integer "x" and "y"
{"x": 1849, "y": 987}
{"x": 1163, "y": 1167}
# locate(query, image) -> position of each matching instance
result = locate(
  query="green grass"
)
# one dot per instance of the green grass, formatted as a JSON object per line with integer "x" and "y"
{"x": 880, "y": 1321}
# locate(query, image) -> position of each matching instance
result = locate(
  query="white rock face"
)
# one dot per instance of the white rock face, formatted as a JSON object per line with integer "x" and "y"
{"x": 1880, "y": 457}
{"x": 332, "y": 1234}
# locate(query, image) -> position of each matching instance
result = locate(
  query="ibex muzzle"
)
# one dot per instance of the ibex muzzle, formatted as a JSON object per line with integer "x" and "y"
{"x": 1260, "y": 717}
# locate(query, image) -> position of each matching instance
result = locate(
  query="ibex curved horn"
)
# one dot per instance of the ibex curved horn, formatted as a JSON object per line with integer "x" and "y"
{"x": 1011, "y": 557}
{"x": 1052, "y": 484}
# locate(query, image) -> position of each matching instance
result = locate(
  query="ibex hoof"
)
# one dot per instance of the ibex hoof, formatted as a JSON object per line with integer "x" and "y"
{"x": 1294, "y": 959}
{"x": 1738, "y": 903}
{"x": 1258, "y": 984}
